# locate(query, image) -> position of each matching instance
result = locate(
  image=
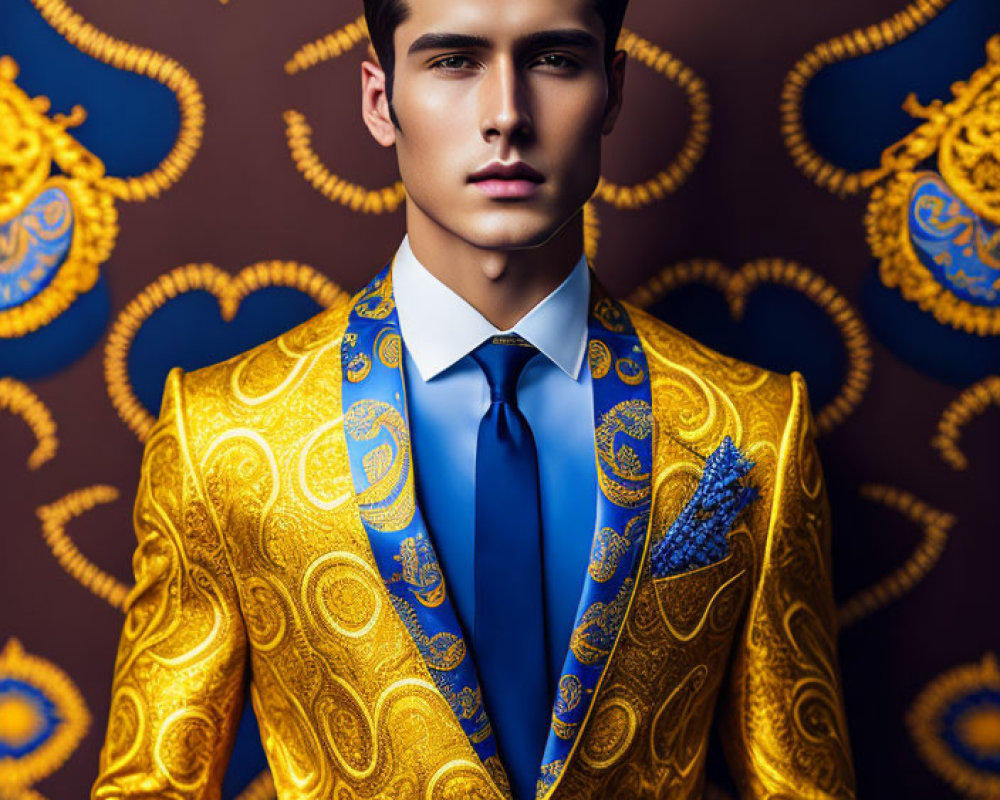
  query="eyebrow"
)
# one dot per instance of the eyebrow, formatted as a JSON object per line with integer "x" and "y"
{"x": 569, "y": 37}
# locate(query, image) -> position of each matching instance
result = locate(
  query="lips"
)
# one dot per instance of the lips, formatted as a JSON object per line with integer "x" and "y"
{"x": 517, "y": 170}
{"x": 507, "y": 181}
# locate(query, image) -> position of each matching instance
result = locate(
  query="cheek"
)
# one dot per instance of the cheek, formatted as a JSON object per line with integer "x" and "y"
{"x": 432, "y": 132}
{"x": 571, "y": 124}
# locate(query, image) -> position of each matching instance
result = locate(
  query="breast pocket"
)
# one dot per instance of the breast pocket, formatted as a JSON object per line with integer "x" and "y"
{"x": 705, "y": 604}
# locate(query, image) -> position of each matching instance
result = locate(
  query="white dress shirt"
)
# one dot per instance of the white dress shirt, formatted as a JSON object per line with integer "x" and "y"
{"x": 447, "y": 395}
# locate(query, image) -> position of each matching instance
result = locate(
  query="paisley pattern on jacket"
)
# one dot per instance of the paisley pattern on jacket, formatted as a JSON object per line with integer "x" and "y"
{"x": 258, "y": 557}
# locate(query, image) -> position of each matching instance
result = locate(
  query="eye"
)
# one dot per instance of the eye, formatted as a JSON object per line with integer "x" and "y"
{"x": 451, "y": 63}
{"x": 558, "y": 61}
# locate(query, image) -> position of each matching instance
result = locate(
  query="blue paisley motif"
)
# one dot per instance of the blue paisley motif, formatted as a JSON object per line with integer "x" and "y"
{"x": 33, "y": 245}
{"x": 959, "y": 248}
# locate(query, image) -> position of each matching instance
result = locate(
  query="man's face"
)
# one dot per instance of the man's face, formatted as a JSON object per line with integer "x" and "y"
{"x": 501, "y": 108}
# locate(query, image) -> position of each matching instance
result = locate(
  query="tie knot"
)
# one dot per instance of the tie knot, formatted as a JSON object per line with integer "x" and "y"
{"x": 502, "y": 358}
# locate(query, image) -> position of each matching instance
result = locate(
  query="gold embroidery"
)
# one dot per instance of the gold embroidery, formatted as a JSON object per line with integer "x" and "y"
{"x": 54, "y": 518}
{"x": 969, "y": 404}
{"x": 18, "y": 398}
{"x": 676, "y": 173}
{"x": 162, "y": 69}
{"x": 850, "y": 45}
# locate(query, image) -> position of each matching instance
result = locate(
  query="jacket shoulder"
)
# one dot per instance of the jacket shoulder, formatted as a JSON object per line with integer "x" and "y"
{"x": 692, "y": 382}
{"x": 252, "y": 387}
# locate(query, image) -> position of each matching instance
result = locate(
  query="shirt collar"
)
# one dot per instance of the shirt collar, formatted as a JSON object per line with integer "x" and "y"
{"x": 439, "y": 327}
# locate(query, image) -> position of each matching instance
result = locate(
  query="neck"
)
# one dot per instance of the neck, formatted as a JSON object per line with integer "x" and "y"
{"x": 502, "y": 285}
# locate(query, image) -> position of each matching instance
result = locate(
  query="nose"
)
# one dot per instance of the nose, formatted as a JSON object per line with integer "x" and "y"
{"x": 505, "y": 103}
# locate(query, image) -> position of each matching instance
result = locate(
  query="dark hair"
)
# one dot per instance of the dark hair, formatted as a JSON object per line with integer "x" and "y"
{"x": 384, "y": 16}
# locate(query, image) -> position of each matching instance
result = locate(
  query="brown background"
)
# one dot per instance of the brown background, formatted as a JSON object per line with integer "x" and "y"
{"x": 242, "y": 201}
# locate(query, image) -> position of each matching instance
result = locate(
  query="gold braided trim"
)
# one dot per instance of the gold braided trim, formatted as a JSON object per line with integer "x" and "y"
{"x": 355, "y": 197}
{"x": 142, "y": 61}
{"x": 18, "y": 774}
{"x": 299, "y": 133}
{"x": 260, "y": 788}
{"x": 924, "y": 719}
{"x": 858, "y": 42}
{"x": 17, "y": 398}
{"x": 936, "y": 525}
{"x": 737, "y": 286}
{"x": 54, "y": 518}
{"x": 670, "y": 179}
{"x": 591, "y": 231}
{"x": 328, "y": 47}
{"x": 970, "y": 403}
{"x": 228, "y": 290}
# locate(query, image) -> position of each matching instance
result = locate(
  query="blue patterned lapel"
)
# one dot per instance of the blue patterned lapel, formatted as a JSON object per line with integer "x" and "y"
{"x": 623, "y": 440}
{"x": 378, "y": 447}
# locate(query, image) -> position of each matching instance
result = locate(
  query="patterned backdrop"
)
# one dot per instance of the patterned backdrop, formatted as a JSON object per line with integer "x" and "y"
{"x": 810, "y": 186}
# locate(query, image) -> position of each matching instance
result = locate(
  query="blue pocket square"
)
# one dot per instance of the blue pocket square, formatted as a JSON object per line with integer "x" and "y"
{"x": 698, "y": 535}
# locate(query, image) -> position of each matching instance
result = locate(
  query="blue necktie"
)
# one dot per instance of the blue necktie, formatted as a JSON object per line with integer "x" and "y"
{"x": 509, "y": 636}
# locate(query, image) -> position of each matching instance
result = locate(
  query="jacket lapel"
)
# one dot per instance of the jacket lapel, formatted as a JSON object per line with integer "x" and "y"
{"x": 623, "y": 441}
{"x": 378, "y": 448}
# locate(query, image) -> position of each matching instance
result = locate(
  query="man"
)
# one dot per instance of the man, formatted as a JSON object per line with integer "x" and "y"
{"x": 481, "y": 530}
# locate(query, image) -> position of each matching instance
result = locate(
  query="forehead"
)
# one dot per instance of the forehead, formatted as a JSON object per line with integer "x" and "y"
{"x": 496, "y": 19}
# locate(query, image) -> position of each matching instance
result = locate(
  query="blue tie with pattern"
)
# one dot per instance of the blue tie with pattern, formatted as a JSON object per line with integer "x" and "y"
{"x": 509, "y": 635}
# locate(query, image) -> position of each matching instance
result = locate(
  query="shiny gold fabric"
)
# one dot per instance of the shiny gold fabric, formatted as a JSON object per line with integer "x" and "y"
{"x": 253, "y": 564}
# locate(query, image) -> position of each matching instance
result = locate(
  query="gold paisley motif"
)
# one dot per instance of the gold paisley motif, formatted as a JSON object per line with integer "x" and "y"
{"x": 600, "y": 359}
{"x": 629, "y": 372}
{"x": 230, "y": 292}
{"x": 671, "y": 719}
{"x": 343, "y": 594}
{"x": 320, "y": 474}
{"x": 265, "y": 613}
{"x": 738, "y": 286}
{"x": 240, "y": 465}
{"x": 461, "y": 780}
{"x": 632, "y": 418}
{"x": 126, "y": 727}
{"x": 183, "y": 747}
{"x": 609, "y": 734}
{"x": 358, "y": 367}
{"x": 388, "y": 503}
{"x": 593, "y": 639}
{"x": 609, "y": 546}
{"x": 390, "y": 349}
{"x": 350, "y": 730}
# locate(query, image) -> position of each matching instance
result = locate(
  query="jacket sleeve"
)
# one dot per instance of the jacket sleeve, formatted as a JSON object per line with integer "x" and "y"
{"x": 783, "y": 726}
{"x": 177, "y": 691}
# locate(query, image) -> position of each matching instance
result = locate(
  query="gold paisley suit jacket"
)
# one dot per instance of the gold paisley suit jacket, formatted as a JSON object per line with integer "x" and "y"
{"x": 253, "y": 566}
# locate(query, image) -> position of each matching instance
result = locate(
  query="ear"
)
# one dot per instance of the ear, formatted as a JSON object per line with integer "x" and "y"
{"x": 616, "y": 88}
{"x": 375, "y": 104}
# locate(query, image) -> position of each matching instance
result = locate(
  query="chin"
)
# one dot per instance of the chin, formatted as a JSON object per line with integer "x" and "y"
{"x": 511, "y": 230}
